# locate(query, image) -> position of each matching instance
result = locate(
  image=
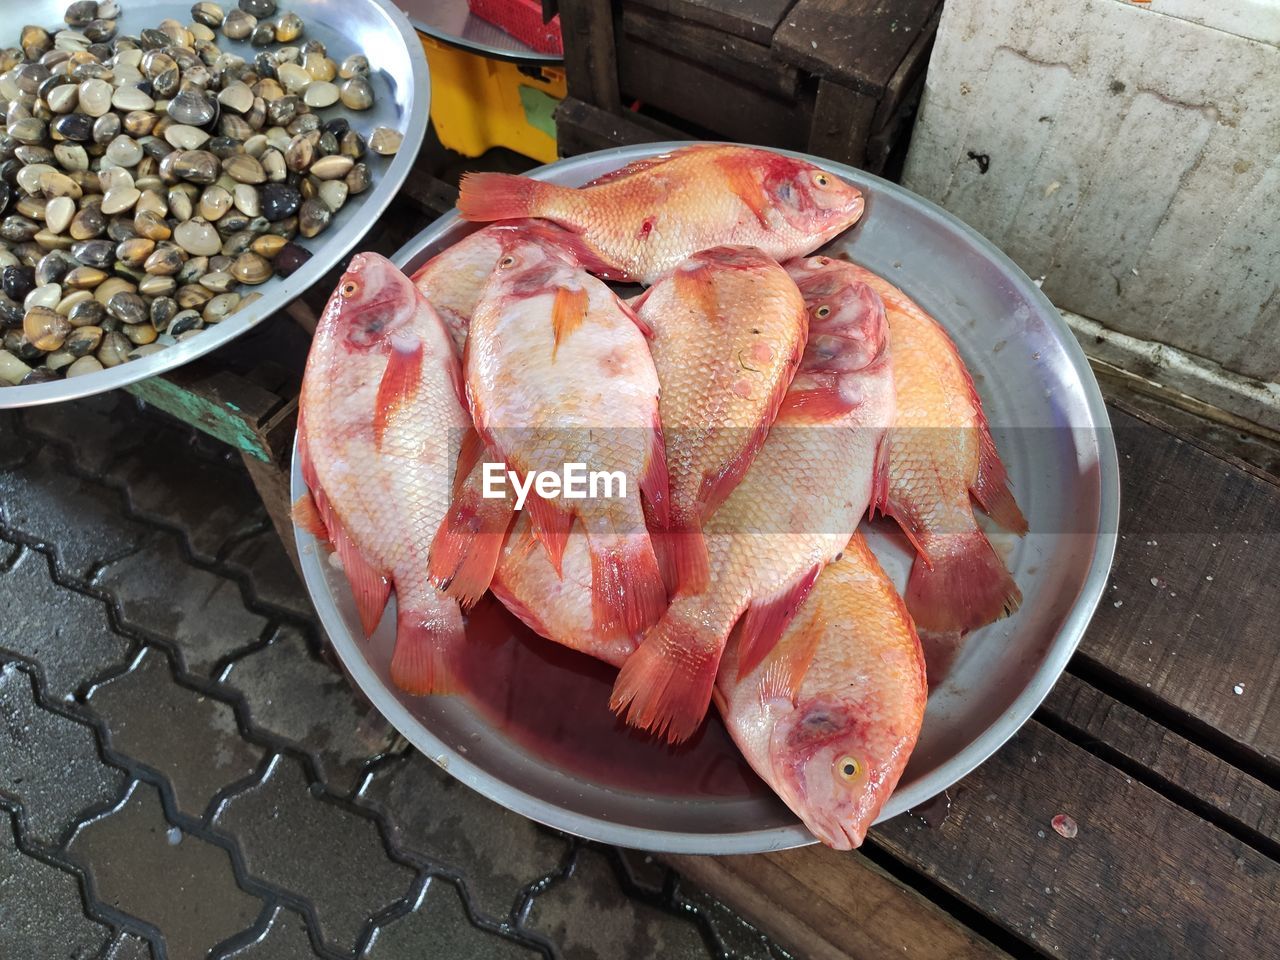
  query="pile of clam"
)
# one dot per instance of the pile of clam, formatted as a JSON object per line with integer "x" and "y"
{"x": 144, "y": 180}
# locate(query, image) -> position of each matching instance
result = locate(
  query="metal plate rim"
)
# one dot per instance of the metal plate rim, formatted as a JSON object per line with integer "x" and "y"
{"x": 981, "y": 746}
{"x": 323, "y": 258}
{"x": 518, "y": 52}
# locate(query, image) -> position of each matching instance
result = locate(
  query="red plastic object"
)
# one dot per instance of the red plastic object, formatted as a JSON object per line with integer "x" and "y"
{"x": 523, "y": 20}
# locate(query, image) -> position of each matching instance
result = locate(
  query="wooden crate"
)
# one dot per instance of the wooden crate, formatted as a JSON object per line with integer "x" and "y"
{"x": 839, "y": 79}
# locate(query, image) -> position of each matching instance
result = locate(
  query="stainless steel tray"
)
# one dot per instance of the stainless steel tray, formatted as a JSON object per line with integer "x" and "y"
{"x": 452, "y": 21}
{"x": 1052, "y": 429}
{"x": 402, "y": 94}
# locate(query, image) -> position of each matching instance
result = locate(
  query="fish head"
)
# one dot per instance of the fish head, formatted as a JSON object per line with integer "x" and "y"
{"x": 531, "y": 262}
{"x": 835, "y": 763}
{"x": 371, "y": 303}
{"x": 812, "y": 200}
{"x": 847, "y": 327}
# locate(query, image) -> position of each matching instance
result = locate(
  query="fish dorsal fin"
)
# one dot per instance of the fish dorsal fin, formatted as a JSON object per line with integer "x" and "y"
{"x": 370, "y": 587}
{"x": 647, "y": 163}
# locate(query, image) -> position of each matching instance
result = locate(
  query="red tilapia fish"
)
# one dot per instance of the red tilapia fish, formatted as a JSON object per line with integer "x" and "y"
{"x": 558, "y": 372}
{"x": 729, "y": 328}
{"x": 454, "y": 278}
{"x": 378, "y": 424}
{"x": 556, "y": 605}
{"x": 829, "y": 718}
{"x": 645, "y": 219}
{"x": 940, "y": 455}
{"x": 795, "y": 509}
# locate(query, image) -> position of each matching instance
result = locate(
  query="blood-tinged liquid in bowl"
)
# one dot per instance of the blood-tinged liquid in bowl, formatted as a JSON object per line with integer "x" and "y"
{"x": 555, "y": 702}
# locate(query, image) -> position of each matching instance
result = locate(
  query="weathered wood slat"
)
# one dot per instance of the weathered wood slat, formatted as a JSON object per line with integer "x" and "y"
{"x": 1193, "y": 610}
{"x": 1144, "y": 879}
{"x": 823, "y": 905}
{"x": 1187, "y": 773}
{"x": 219, "y": 402}
{"x": 751, "y": 63}
{"x": 909, "y": 72}
{"x": 841, "y": 124}
{"x": 581, "y": 127}
{"x": 859, "y": 43}
{"x": 750, "y": 19}
{"x": 708, "y": 99}
{"x": 589, "y": 66}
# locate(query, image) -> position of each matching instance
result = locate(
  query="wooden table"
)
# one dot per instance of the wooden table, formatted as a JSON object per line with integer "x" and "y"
{"x": 1160, "y": 741}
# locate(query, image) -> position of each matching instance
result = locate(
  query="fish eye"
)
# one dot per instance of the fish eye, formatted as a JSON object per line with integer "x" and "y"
{"x": 848, "y": 768}
{"x": 822, "y": 312}
{"x": 349, "y": 289}
{"x": 507, "y": 261}
{"x": 821, "y": 179}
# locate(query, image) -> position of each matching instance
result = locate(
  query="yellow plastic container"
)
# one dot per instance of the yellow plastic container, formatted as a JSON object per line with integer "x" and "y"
{"x": 478, "y": 103}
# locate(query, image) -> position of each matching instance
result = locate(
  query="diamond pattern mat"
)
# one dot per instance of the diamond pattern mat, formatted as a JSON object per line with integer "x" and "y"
{"x": 183, "y": 774}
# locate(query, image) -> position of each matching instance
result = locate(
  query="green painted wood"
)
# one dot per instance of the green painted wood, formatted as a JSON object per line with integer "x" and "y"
{"x": 205, "y": 411}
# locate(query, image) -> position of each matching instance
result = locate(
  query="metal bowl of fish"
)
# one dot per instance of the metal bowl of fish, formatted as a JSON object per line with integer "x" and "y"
{"x": 532, "y": 728}
{"x": 157, "y": 176}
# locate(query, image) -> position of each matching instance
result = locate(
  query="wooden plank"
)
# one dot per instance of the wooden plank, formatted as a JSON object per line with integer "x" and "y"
{"x": 1144, "y": 879}
{"x": 859, "y": 43}
{"x": 581, "y": 127}
{"x": 754, "y": 20}
{"x": 271, "y": 481}
{"x": 743, "y": 60}
{"x": 823, "y": 905}
{"x": 909, "y": 75}
{"x": 430, "y": 194}
{"x": 222, "y": 404}
{"x": 841, "y": 123}
{"x": 589, "y": 52}
{"x": 709, "y": 100}
{"x": 1191, "y": 775}
{"x": 1192, "y": 609}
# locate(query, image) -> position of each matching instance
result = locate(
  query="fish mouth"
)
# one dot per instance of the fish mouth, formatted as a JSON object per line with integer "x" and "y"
{"x": 831, "y": 830}
{"x": 836, "y": 835}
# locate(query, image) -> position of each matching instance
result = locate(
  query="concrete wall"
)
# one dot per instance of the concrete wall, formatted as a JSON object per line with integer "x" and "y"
{"x": 1129, "y": 154}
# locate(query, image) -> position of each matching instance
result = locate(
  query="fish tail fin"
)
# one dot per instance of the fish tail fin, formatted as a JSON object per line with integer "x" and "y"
{"x": 961, "y": 586}
{"x": 767, "y": 617}
{"x": 665, "y": 686}
{"x": 429, "y": 638}
{"x": 550, "y": 523}
{"x": 627, "y": 591}
{"x": 467, "y": 545}
{"x": 500, "y": 196}
{"x": 991, "y": 489}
